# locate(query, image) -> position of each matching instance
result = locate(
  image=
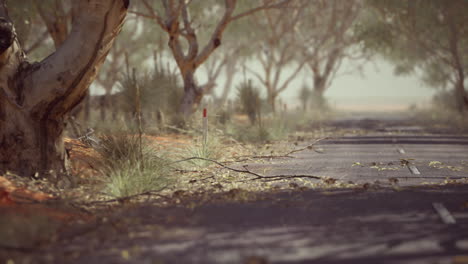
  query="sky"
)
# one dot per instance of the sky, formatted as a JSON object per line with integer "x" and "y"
{"x": 375, "y": 87}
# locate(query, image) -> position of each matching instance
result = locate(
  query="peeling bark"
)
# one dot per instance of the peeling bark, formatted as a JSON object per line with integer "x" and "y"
{"x": 35, "y": 99}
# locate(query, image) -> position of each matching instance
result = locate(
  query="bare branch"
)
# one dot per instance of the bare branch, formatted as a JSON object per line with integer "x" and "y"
{"x": 281, "y": 4}
{"x": 257, "y": 175}
{"x": 154, "y": 15}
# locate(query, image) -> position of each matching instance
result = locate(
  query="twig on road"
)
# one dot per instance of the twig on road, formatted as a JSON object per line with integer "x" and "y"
{"x": 257, "y": 176}
{"x": 286, "y": 155}
{"x": 309, "y": 147}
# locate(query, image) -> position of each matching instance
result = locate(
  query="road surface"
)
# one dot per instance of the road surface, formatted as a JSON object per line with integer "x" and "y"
{"x": 405, "y": 223}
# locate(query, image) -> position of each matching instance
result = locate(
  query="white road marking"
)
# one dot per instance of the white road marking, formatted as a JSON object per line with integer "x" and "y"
{"x": 413, "y": 169}
{"x": 401, "y": 151}
{"x": 444, "y": 213}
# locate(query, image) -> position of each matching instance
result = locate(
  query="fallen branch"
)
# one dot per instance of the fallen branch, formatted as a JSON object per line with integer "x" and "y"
{"x": 287, "y": 155}
{"x": 126, "y": 198}
{"x": 309, "y": 147}
{"x": 257, "y": 176}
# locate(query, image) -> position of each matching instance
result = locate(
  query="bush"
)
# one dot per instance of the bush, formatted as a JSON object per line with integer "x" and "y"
{"x": 279, "y": 126}
{"x": 148, "y": 174}
{"x": 211, "y": 150}
{"x": 249, "y": 98}
{"x": 318, "y": 102}
{"x": 251, "y": 134}
{"x": 441, "y": 119}
{"x": 447, "y": 99}
{"x": 129, "y": 172}
{"x": 118, "y": 148}
{"x": 161, "y": 95}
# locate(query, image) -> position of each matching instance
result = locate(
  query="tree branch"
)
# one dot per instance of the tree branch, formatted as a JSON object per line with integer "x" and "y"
{"x": 281, "y": 4}
{"x": 60, "y": 81}
{"x": 257, "y": 175}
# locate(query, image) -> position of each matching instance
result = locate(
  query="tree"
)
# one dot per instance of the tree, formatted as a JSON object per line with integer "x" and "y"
{"x": 176, "y": 18}
{"x": 426, "y": 35}
{"x": 328, "y": 39}
{"x": 35, "y": 98}
{"x": 56, "y": 15}
{"x": 227, "y": 60}
{"x": 278, "y": 47}
{"x": 304, "y": 97}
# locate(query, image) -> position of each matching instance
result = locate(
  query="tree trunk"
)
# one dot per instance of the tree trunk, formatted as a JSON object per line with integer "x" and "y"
{"x": 230, "y": 72}
{"x": 20, "y": 142}
{"x": 35, "y": 99}
{"x": 461, "y": 98}
{"x": 318, "y": 99}
{"x": 271, "y": 98}
{"x": 192, "y": 94}
{"x": 319, "y": 85}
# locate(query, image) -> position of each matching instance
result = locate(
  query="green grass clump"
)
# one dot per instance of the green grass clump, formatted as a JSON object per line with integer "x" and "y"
{"x": 274, "y": 127}
{"x": 212, "y": 150}
{"x": 149, "y": 174}
{"x": 254, "y": 134}
{"x": 129, "y": 171}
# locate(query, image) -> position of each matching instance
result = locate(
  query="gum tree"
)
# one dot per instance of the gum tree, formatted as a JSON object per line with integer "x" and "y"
{"x": 328, "y": 39}
{"x": 35, "y": 98}
{"x": 427, "y": 36}
{"x": 185, "y": 21}
{"x": 277, "y": 48}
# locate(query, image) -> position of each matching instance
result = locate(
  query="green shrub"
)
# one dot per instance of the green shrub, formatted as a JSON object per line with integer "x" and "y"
{"x": 118, "y": 148}
{"x": 279, "y": 127}
{"x": 438, "y": 117}
{"x": 447, "y": 99}
{"x": 128, "y": 172}
{"x": 251, "y": 134}
{"x": 223, "y": 117}
{"x": 250, "y": 101}
{"x": 211, "y": 150}
{"x": 128, "y": 178}
{"x": 318, "y": 102}
{"x": 161, "y": 95}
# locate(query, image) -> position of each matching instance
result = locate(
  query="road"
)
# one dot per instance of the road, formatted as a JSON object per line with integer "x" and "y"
{"x": 391, "y": 222}
{"x": 380, "y": 158}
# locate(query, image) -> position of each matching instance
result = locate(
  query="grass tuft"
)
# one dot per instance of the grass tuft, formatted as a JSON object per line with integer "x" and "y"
{"x": 211, "y": 150}
{"x": 127, "y": 172}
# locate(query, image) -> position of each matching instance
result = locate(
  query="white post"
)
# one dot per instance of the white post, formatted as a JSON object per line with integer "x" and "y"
{"x": 205, "y": 128}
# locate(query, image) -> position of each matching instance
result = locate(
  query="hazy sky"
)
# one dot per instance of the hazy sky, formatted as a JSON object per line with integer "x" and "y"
{"x": 377, "y": 86}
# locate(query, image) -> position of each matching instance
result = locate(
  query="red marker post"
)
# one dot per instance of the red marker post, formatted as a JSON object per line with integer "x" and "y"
{"x": 205, "y": 127}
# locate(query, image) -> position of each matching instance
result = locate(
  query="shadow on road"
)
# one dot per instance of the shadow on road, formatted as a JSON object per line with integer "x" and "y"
{"x": 337, "y": 226}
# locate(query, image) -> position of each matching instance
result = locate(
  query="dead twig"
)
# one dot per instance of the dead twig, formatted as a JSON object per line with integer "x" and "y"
{"x": 287, "y": 155}
{"x": 257, "y": 176}
{"x": 309, "y": 147}
{"x": 127, "y": 198}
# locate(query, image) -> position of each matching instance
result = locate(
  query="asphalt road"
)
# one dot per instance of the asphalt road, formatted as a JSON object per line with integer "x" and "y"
{"x": 379, "y": 226}
{"x": 356, "y": 225}
{"x": 381, "y": 157}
